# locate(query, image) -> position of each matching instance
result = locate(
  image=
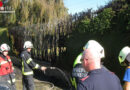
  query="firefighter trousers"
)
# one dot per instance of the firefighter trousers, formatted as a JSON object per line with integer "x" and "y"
{"x": 13, "y": 87}
{"x": 8, "y": 80}
{"x": 28, "y": 82}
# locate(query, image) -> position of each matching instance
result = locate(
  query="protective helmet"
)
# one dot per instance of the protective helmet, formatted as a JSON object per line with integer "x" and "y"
{"x": 4, "y": 47}
{"x": 27, "y": 44}
{"x": 96, "y": 46}
{"x": 78, "y": 60}
{"x": 123, "y": 54}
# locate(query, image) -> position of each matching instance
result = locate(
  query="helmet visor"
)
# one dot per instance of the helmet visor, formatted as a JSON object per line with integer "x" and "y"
{"x": 121, "y": 61}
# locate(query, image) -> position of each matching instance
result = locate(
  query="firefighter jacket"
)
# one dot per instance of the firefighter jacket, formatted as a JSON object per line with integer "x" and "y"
{"x": 28, "y": 64}
{"x": 6, "y": 69}
{"x": 5, "y": 65}
{"x": 78, "y": 71}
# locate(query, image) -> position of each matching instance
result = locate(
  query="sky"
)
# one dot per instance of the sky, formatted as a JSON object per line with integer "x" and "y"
{"x": 75, "y": 6}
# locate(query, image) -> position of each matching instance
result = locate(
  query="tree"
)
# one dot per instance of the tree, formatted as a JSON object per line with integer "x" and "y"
{"x": 35, "y": 11}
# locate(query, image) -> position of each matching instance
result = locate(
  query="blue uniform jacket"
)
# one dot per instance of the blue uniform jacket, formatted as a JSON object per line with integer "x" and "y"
{"x": 100, "y": 79}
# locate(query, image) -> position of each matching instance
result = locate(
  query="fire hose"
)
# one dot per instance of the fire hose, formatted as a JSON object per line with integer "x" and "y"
{"x": 62, "y": 73}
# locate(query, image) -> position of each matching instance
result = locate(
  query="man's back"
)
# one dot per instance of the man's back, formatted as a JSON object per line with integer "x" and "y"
{"x": 100, "y": 79}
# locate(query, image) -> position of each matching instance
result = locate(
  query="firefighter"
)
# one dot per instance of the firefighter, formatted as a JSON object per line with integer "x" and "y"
{"x": 124, "y": 59}
{"x": 28, "y": 65}
{"x": 78, "y": 72}
{"x": 6, "y": 67}
{"x": 98, "y": 78}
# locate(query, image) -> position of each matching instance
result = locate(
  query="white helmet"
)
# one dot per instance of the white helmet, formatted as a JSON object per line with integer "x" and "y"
{"x": 123, "y": 54}
{"x": 27, "y": 44}
{"x": 4, "y": 47}
{"x": 96, "y": 46}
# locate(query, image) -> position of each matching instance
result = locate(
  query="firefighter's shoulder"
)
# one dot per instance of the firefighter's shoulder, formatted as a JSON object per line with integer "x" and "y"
{"x": 23, "y": 54}
{"x": 85, "y": 78}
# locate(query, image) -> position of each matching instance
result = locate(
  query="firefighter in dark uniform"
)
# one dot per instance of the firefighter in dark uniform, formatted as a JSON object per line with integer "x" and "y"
{"x": 7, "y": 75}
{"x": 98, "y": 78}
{"x": 78, "y": 72}
{"x": 27, "y": 66}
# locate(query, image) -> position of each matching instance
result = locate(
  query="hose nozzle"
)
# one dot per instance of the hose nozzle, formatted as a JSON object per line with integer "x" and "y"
{"x": 52, "y": 67}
